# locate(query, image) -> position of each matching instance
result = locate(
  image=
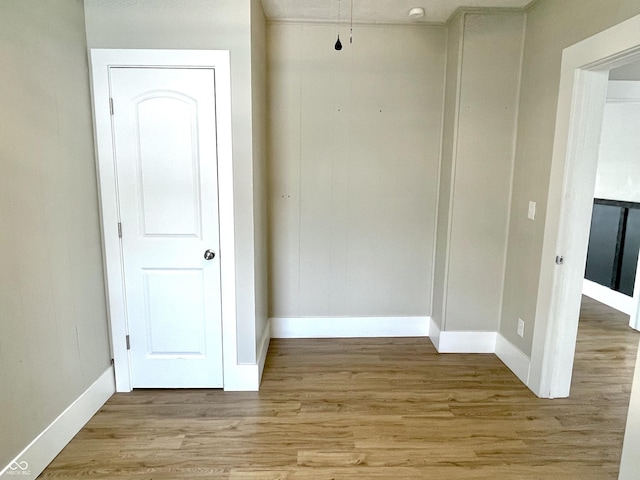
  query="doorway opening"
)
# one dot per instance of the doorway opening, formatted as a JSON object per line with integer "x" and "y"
{"x": 614, "y": 241}
{"x": 582, "y": 95}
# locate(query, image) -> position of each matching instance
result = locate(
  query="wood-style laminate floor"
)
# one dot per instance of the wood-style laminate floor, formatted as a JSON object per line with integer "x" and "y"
{"x": 373, "y": 409}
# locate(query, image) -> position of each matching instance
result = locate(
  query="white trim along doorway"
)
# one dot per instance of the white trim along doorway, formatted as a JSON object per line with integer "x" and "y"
{"x": 582, "y": 95}
{"x": 235, "y": 376}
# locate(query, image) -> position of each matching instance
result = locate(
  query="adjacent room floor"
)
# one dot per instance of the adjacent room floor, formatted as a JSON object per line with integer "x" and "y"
{"x": 373, "y": 409}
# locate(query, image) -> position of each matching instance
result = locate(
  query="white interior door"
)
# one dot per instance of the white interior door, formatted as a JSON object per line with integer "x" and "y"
{"x": 164, "y": 132}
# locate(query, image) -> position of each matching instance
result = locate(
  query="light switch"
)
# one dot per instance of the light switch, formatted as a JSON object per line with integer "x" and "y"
{"x": 521, "y": 327}
{"x": 531, "y": 215}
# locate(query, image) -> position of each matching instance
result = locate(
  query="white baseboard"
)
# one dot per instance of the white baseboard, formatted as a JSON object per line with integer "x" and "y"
{"x": 434, "y": 334}
{"x": 243, "y": 378}
{"x": 462, "y": 342}
{"x": 247, "y": 377}
{"x": 513, "y": 358}
{"x": 467, "y": 342}
{"x": 349, "y": 327}
{"x": 613, "y": 299}
{"x": 32, "y": 461}
{"x": 263, "y": 348}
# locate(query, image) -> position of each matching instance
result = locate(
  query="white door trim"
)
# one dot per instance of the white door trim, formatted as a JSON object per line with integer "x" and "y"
{"x": 582, "y": 94}
{"x": 101, "y": 60}
{"x": 634, "y": 316}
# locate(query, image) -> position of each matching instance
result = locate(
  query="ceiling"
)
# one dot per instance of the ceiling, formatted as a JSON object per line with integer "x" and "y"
{"x": 626, "y": 72}
{"x": 375, "y": 11}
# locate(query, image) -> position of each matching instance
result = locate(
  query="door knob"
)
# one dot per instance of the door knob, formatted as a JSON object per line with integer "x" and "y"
{"x": 209, "y": 255}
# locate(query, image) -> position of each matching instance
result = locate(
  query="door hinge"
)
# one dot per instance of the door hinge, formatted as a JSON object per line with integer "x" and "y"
{"x": 119, "y": 230}
{"x": 111, "y": 105}
{"x": 128, "y": 343}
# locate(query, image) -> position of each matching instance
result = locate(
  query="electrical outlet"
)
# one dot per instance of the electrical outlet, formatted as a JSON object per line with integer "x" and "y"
{"x": 531, "y": 214}
{"x": 521, "y": 327}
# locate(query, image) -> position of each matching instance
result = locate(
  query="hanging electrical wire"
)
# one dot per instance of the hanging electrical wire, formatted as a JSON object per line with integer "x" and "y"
{"x": 351, "y": 30}
{"x": 338, "y": 45}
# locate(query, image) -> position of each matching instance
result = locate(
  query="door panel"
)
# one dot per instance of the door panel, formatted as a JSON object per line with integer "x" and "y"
{"x": 165, "y": 291}
{"x": 603, "y": 239}
{"x": 630, "y": 252}
{"x": 164, "y": 126}
{"x": 169, "y": 183}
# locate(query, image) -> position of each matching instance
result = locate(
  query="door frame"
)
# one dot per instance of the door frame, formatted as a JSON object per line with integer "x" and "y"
{"x": 101, "y": 60}
{"x": 582, "y": 94}
{"x": 634, "y": 316}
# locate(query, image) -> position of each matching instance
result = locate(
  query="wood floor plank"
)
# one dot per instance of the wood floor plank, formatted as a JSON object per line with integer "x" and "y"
{"x": 373, "y": 409}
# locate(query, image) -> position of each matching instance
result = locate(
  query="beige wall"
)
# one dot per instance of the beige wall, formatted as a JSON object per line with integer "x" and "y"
{"x": 202, "y": 24}
{"x": 449, "y": 143}
{"x": 53, "y": 326}
{"x": 259, "y": 127}
{"x": 354, "y": 152}
{"x": 551, "y": 26}
{"x": 480, "y": 113}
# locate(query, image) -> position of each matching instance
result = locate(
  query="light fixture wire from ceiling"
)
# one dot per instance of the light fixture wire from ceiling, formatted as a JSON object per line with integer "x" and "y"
{"x": 351, "y": 28}
{"x": 338, "y": 45}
